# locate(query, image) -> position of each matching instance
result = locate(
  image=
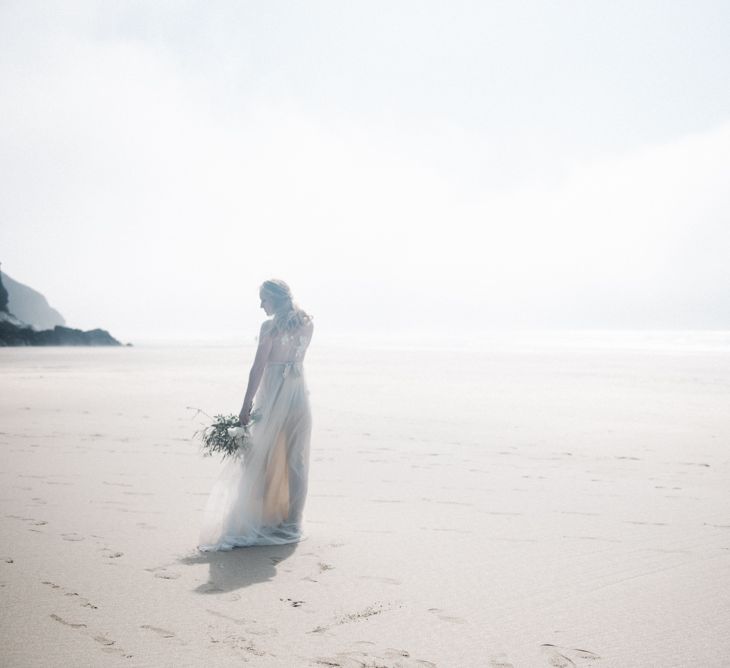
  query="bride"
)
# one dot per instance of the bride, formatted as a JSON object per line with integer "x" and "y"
{"x": 259, "y": 498}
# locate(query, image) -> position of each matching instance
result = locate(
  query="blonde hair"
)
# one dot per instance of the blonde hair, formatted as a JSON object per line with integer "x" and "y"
{"x": 288, "y": 316}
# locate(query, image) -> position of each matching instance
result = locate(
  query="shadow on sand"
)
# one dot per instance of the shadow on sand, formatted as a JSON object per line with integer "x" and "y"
{"x": 240, "y": 567}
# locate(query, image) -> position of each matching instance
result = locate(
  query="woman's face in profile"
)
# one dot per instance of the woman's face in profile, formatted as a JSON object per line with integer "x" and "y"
{"x": 266, "y": 303}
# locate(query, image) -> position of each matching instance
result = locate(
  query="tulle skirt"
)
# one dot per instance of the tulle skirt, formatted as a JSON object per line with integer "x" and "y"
{"x": 259, "y": 498}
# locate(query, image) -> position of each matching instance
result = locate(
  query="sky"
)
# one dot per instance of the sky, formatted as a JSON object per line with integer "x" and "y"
{"x": 404, "y": 166}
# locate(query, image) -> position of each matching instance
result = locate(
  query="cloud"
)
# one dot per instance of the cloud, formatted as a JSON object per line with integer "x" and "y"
{"x": 154, "y": 198}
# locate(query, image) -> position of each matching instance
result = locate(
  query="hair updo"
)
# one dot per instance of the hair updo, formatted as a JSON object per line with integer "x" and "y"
{"x": 288, "y": 316}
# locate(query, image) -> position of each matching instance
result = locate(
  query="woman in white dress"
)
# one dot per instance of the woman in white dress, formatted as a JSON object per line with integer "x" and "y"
{"x": 259, "y": 498}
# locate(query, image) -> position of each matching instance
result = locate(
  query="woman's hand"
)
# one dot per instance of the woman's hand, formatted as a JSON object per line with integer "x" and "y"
{"x": 244, "y": 417}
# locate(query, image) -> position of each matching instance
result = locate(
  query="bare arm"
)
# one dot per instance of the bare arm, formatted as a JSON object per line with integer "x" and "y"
{"x": 257, "y": 371}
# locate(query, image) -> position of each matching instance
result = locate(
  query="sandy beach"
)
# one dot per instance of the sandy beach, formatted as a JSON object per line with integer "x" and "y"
{"x": 494, "y": 506}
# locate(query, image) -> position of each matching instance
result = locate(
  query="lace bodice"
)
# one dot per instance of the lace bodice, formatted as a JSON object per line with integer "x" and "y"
{"x": 290, "y": 347}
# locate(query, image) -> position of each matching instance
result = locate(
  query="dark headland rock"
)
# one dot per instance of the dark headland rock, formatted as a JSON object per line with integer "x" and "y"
{"x": 15, "y": 332}
{"x": 4, "y": 297}
{"x": 29, "y": 305}
{"x": 14, "y": 335}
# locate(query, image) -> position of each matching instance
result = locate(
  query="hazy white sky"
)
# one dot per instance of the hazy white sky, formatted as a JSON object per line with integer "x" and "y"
{"x": 414, "y": 165}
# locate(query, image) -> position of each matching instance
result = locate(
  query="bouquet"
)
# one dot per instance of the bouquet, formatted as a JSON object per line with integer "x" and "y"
{"x": 226, "y": 436}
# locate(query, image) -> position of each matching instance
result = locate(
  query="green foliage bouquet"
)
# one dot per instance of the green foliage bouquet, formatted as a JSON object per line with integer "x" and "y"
{"x": 226, "y": 436}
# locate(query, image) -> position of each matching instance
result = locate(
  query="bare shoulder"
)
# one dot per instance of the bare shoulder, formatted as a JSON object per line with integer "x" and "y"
{"x": 267, "y": 326}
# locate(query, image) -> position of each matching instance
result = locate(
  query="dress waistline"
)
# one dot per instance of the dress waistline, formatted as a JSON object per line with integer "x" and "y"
{"x": 295, "y": 368}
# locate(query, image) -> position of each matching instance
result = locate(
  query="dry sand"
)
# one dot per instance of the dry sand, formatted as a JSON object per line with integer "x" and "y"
{"x": 515, "y": 507}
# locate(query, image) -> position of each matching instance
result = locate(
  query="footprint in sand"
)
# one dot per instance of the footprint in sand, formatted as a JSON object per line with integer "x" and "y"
{"x": 293, "y": 603}
{"x": 167, "y": 575}
{"x": 563, "y": 657}
{"x": 235, "y": 620}
{"x": 61, "y": 620}
{"x": 357, "y": 658}
{"x": 240, "y": 643}
{"x": 446, "y": 618}
{"x": 108, "y": 646}
{"x": 500, "y": 661}
{"x": 355, "y": 617}
{"x": 31, "y": 520}
{"x": 163, "y": 573}
{"x": 164, "y": 633}
{"x": 584, "y": 654}
{"x": 107, "y": 643}
{"x": 252, "y": 627}
{"x": 73, "y": 537}
{"x": 84, "y": 602}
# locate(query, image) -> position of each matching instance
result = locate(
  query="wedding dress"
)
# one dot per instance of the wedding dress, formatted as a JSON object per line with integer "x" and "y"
{"x": 259, "y": 498}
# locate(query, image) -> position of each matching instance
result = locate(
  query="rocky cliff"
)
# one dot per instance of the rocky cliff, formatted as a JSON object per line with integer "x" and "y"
{"x": 3, "y": 297}
{"x": 30, "y": 306}
{"x": 15, "y": 332}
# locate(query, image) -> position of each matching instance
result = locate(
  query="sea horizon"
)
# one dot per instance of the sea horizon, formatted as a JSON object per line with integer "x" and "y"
{"x": 658, "y": 340}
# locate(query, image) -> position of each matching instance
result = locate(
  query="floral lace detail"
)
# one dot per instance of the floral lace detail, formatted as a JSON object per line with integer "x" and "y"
{"x": 299, "y": 351}
{"x": 287, "y": 339}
